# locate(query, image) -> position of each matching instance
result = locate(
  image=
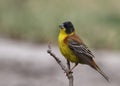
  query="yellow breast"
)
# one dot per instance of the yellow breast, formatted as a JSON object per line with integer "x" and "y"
{"x": 64, "y": 48}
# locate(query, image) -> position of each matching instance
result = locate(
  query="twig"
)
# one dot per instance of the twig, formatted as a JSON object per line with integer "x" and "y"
{"x": 66, "y": 70}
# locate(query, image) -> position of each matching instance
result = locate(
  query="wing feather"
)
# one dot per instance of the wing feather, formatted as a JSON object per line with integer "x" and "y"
{"x": 84, "y": 54}
{"x": 81, "y": 51}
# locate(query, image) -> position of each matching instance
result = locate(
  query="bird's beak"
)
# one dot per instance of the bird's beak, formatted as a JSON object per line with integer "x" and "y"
{"x": 61, "y": 26}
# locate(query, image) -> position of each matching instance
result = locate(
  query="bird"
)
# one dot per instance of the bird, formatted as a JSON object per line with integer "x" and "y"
{"x": 74, "y": 49}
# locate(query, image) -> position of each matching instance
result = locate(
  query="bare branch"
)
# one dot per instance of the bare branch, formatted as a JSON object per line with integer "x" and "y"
{"x": 66, "y": 70}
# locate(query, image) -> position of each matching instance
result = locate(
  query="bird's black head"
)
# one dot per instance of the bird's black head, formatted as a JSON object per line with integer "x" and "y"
{"x": 68, "y": 26}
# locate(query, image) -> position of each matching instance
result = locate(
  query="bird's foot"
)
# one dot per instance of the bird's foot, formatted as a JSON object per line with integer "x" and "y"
{"x": 68, "y": 72}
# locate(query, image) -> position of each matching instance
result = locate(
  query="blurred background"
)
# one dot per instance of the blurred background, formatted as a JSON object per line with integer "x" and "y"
{"x": 26, "y": 26}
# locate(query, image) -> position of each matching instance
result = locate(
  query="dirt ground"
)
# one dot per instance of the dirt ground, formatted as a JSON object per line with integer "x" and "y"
{"x": 27, "y": 64}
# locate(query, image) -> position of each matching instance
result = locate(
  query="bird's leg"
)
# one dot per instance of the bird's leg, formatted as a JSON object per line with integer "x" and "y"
{"x": 68, "y": 64}
{"x": 69, "y": 68}
{"x": 73, "y": 67}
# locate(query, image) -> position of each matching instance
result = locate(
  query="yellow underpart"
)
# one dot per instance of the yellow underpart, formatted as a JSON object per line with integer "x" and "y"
{"x": 64, "y": 48}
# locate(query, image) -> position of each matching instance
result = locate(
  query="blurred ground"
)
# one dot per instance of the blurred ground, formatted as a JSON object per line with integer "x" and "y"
{"x": 25, "y": 64}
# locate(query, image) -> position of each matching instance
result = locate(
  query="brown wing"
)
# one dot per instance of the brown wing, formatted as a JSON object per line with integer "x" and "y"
{"x": 83, "y": 53}
{"x": 80, "y": 49}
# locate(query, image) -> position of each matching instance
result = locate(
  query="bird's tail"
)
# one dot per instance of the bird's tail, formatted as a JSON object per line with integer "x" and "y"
{"x": 100, "y": 71}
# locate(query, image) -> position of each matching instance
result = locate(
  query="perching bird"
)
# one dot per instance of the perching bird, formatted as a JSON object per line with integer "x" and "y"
{"x": 74, "y": 50}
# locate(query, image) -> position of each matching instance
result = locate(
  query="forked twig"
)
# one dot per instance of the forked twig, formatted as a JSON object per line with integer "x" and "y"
{"x": 66, "y": 70}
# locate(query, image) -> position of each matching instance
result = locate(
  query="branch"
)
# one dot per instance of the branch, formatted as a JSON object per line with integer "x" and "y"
{"x": 66, "y": 70}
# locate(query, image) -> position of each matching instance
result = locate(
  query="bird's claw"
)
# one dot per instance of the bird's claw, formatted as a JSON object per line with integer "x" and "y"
{"x": 68, "y": 72}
